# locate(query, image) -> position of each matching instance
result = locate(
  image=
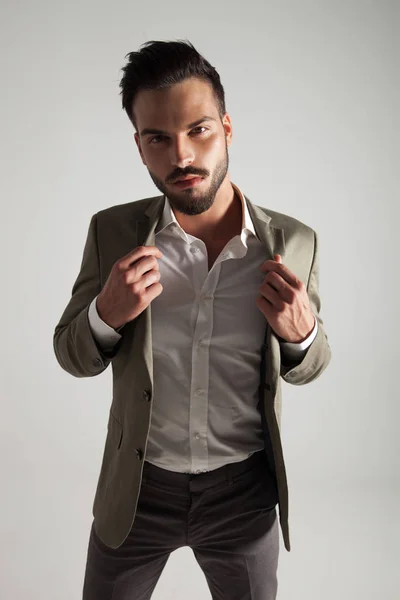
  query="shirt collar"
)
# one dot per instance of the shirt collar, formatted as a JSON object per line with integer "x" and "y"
{"x": 168, "y": 218}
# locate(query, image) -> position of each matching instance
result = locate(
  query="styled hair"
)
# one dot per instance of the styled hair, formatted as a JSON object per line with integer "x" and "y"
{"x": 159, "y": 65}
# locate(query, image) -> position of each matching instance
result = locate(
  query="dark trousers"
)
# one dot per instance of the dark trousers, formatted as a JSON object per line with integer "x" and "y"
{"x": 226, "y": 516}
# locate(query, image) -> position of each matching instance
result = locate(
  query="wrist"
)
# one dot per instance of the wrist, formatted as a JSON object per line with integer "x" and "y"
{"x": 103, "y": 314}
{"x": 303, "y": 339}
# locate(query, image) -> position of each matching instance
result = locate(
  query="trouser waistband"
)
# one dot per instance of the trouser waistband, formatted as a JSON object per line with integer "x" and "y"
{"x": 225, "y": 473}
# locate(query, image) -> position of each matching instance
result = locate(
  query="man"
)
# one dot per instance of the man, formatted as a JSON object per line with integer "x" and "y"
{"x": 201, "y": 301}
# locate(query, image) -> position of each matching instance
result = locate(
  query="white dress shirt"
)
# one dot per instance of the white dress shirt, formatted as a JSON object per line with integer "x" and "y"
{"x": 207, "y": 333}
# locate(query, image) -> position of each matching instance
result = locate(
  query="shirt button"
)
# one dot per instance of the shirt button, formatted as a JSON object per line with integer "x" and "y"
{"x": 197, "y": 436}
{"x": 200, "y": 392}
{"x": 96, "y": 362}
{"x": 194, "y": 250}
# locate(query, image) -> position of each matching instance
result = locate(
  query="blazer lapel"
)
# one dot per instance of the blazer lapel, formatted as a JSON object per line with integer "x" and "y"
{"x": 273, "y": 239}
{"x": 145, "y": 236}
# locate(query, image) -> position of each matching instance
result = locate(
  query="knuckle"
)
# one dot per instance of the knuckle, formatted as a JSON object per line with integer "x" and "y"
{"x": 270, "y": 276}
{"x": 135, "y": 288}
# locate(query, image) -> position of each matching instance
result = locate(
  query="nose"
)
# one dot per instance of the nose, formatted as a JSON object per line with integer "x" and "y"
{"x": 181, "y": 153}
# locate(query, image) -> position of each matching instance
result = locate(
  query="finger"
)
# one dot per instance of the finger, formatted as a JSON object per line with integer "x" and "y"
{"x": 151, "y": 278}
{"x": 283, "y": 289}
{"x": 277, "y": 281}
{"x": 264, "y": 306}
{"x": 144, "y": 265}
{"x": 137, "y": 253}
{"x": 270, "y": 294}
{"x": 282, "y": 270}
{"x": 277, "y": 259}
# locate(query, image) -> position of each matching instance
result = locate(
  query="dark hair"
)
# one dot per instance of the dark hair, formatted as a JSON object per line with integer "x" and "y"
{"x": 159, "y": 65}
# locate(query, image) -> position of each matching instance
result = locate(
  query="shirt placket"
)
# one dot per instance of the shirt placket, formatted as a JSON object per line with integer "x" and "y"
{"x": 204, "y": 283}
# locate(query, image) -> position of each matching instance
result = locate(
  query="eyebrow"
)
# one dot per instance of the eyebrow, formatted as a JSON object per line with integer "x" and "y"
{"x": 149, "y": 130}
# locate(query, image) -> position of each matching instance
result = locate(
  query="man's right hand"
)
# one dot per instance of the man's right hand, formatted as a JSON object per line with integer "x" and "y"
{"x": 132, "y": 284}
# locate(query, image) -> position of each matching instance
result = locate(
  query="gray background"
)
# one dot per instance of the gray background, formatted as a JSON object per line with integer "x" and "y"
{"x": 312, "y": 90}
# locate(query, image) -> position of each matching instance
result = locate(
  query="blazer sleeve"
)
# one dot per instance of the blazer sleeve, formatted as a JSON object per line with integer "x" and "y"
{"x": 75, "y": 346}
{"x": 318, "y": 353}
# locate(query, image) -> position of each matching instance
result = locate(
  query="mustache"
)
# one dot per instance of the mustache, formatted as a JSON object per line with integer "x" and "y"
{"x": 179, "y": 174}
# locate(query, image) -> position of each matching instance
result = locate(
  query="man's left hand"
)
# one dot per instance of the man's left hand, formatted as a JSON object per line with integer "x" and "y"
{"x": 284, "y": 302}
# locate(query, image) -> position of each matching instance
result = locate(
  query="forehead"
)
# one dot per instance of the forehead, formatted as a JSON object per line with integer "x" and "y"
{"x": 173, "y": 107}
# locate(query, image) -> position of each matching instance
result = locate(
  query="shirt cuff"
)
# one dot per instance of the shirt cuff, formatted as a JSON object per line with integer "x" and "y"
{"x": 298, "y": 350}
{"x": 105, "y": 335}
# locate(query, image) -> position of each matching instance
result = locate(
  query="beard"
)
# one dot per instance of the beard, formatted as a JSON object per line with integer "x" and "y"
{"x": 190, "y": 201}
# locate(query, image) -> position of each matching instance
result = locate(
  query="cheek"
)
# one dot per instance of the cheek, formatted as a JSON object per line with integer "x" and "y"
{"x": 155, "y": 162}
{"x": 212, "y": 151}
{"x": 216, "y": 143}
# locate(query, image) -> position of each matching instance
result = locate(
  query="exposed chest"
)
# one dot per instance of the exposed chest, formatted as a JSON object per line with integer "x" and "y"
{"x": 213, "y": 252}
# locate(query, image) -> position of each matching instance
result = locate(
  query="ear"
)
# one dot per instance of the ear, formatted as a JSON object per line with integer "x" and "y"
{"x": 227, "y": 125}
{"x": 137, "y": 140}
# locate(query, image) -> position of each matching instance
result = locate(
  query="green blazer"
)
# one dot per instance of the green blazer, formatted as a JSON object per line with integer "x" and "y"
{"x": 112, "y": 233}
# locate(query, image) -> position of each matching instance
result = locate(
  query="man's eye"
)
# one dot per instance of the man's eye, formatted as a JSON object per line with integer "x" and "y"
{"x": 205, "y": 128}
{"x": 156, "y": 138}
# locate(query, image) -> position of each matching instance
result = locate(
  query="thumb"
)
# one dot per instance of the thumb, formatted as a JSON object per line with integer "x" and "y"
{"x": 278, "y": 258}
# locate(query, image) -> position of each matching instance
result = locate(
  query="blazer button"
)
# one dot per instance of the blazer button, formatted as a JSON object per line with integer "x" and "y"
{"x": 139, "y": 453}
{"x": 96, "y": 362}
{"x": 147, "y": 395}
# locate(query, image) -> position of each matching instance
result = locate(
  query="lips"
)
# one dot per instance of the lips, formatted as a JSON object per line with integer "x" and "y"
{"x": 186, "y": 178}
{"x": 188, "y": 182}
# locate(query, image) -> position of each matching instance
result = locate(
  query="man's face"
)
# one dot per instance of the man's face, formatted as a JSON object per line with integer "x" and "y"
{"x": 193, "y": 141}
